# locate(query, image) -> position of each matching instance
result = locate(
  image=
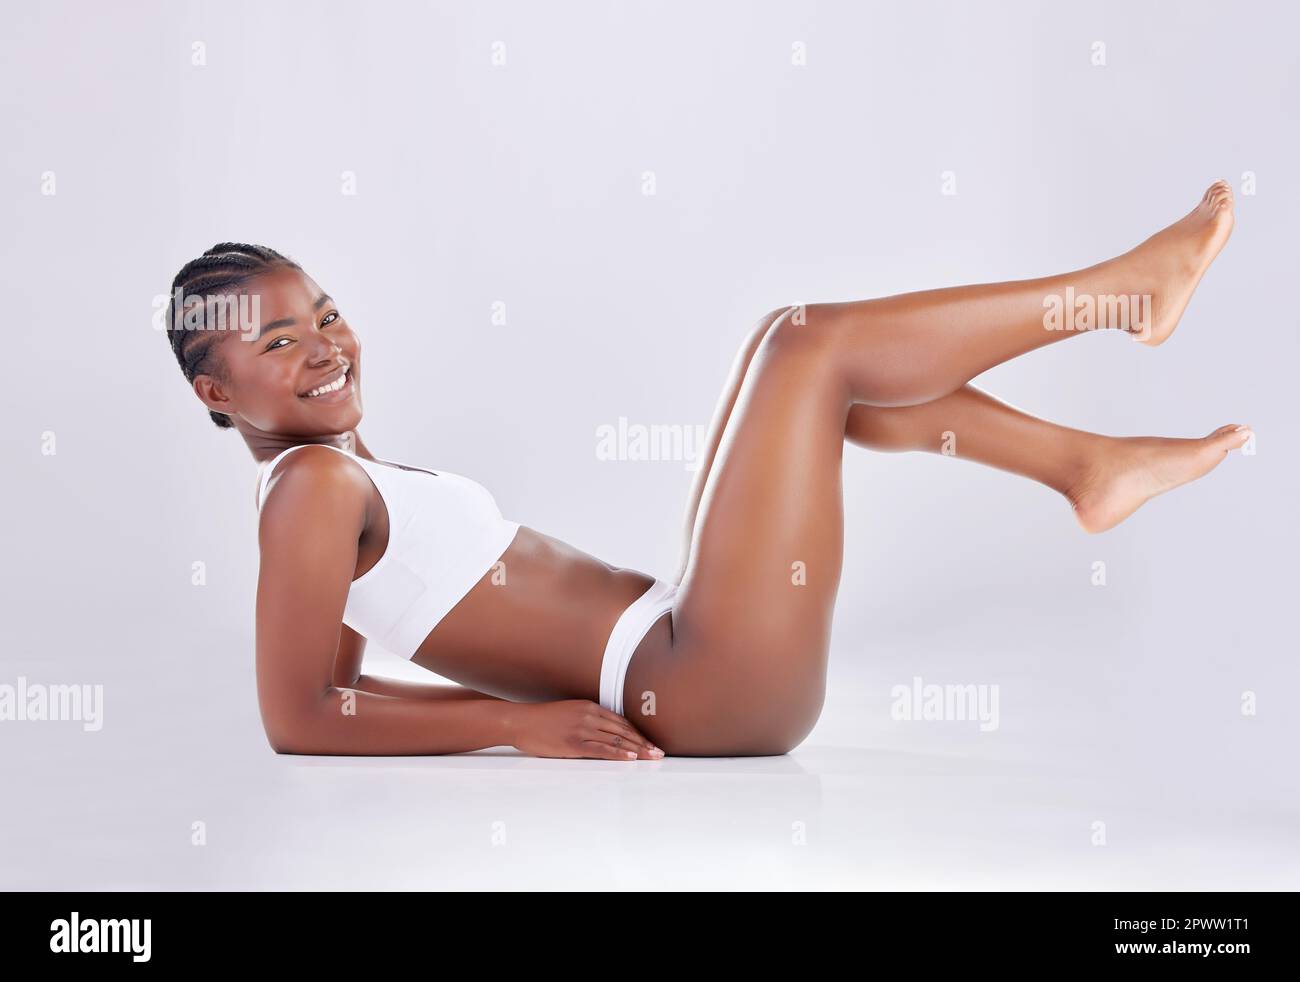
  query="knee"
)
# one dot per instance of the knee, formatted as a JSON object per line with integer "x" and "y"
{"x": 810, "y": 330}
{"x": 767, "y": 320}
{"x": 765, "y": 326}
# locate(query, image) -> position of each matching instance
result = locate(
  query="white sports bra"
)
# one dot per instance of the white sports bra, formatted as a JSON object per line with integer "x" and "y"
{"x": 444, "y": 532}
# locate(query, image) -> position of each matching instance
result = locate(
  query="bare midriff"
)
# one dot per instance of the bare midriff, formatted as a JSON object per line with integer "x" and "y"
{"x": 534, "y": 627}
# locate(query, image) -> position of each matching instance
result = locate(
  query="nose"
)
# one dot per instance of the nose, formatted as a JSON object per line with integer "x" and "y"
{"x": 327, "y": 350}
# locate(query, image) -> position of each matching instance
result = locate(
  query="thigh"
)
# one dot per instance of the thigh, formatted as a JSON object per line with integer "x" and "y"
{"x": 750, "y": 631}
{"x": 718, "y": 425}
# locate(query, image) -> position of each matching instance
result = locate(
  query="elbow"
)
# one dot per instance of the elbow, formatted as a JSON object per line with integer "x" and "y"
{"x": 283, "y": 745}
{"x": 288, "y": 740}
{"x": 301, "y": 715}
{"x": 299, "y": 733}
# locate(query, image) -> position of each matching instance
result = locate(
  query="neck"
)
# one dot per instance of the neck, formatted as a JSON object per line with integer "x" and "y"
{"x": 265, "y": 446}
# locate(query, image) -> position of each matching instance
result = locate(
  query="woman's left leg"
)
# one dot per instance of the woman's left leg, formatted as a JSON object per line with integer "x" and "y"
{"x": 1104, "y": 478}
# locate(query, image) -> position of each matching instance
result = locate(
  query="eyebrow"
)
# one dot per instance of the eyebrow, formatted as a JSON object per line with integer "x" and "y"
{"x": 321, "y": 301}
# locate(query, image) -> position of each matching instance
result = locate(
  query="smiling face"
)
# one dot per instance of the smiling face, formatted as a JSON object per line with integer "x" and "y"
{"x": 298, "y": 373}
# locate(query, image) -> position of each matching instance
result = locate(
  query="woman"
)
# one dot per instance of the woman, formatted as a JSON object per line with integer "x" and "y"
{"x": 562, "y": 655}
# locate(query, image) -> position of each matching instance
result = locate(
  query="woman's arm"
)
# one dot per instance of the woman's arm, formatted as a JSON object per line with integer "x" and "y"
{"x": 350, "y": 721}
{"x": 418, "y": 690}
{"x": 311, "y": 522}
{"x": 356, "y": 722}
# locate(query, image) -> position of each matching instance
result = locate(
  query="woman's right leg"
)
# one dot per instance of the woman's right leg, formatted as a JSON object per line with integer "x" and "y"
{"x": 915, "y": 347}
{"x": 746, "y": 669}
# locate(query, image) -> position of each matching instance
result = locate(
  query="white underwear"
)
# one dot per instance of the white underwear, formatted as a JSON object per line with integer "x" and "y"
{"x": 628, "y": 632}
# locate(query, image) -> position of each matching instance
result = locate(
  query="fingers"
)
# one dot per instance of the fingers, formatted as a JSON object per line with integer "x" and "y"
{"x": 602, "y": 748}
{"x": 612, "y": 723}
{"x": 624, "y": 745}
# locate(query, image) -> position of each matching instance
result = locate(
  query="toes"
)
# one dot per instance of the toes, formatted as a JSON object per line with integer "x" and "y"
{"x": 1218, "y": 193}
{"x": 1230, "y": 437}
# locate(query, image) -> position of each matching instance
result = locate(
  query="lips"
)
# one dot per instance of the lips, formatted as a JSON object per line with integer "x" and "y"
{"x": 336, "y": 388}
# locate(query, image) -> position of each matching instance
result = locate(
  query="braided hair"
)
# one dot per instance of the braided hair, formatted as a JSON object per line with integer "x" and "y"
{"x": 218, "y": 271}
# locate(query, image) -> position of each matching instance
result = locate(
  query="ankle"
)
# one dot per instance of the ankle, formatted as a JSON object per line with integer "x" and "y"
{"x": 1090, "y": 459}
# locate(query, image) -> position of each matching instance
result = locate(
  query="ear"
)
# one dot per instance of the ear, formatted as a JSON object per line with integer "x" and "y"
{"x": 214, "y": 394}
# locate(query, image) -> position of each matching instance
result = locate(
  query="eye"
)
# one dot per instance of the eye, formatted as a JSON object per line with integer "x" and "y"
{"x": 330, "y": 318}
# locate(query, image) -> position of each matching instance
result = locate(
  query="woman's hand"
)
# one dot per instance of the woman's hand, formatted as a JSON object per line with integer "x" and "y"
{"x": 579, "y": 728}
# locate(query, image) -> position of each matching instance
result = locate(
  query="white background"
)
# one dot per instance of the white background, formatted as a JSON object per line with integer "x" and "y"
{"x": 775, "y": 183}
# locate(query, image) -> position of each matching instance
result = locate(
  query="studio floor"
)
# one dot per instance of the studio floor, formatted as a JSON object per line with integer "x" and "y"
{"x": 868, "y": 802}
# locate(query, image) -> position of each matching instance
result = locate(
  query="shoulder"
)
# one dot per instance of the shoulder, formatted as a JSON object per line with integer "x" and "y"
{"x": 318, "y": 481}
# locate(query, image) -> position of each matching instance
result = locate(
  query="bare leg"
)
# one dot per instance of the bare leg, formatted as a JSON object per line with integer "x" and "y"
{"x": 915, "y": 347}
{"x": 1005, "y": 319}
{"x": 745, "y": 673}
{"x": 1104, "y": 478}
{"x": 731, "y": 389}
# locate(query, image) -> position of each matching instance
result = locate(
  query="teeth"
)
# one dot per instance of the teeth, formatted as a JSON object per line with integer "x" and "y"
{"x": 334, "y": 386}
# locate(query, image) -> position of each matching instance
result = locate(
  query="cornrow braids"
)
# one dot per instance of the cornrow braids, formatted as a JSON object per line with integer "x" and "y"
{"x": 217, "y": 272}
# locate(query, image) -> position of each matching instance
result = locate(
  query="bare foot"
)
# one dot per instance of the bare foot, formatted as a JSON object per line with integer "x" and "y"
{"x": 1129, "y": 472}
{"x": 1175, "y": 259}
